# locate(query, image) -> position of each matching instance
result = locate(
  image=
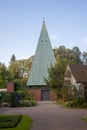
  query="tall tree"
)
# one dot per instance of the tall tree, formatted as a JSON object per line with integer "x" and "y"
{"x": 85, "y": 57}
{"x": 56, "y": 74}
{"x": 78, "y": 53}
{"x": 63, "y": 52}
{"x": 14, "y": 70}
{"x": 4, "y": 75}
{"x": 13, "y": 58}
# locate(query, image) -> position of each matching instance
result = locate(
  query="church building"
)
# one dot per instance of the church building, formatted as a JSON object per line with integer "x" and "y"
{"x": 44, "y": 58}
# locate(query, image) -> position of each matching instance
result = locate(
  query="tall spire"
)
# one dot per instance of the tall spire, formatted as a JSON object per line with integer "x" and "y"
{"x": 43, "y": 18}
{"x": 43, "y": 59}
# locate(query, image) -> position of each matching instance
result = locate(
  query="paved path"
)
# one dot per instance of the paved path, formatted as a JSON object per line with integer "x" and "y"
{"x": 49, "y": 116}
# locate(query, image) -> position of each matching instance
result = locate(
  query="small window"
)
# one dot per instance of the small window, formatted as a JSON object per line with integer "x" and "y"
{"x": 45, "y": 40}
{"x": 41, "y": 40}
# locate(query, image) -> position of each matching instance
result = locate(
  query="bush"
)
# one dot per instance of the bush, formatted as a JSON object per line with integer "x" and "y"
{"x": 22, "y": 94}
{"x": 79, "y": 103}
{"x": 24, "y": 124}
{"x": 28, "y": 96}
{"x": 25, "y": 103}
{"x": 9, "y": 121}
{"x": 22, "y": 98}
{"x": 15, "y": 99}
{"x": 68, "y": 103}
{"x": 84, "y": 118}
{"x": 33, "y": 102}
{"x": 5, "y": 97}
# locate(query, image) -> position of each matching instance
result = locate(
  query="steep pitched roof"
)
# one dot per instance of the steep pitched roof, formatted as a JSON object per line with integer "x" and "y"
{"x": 44, "y": 57}
{"x": 79, "y": 72}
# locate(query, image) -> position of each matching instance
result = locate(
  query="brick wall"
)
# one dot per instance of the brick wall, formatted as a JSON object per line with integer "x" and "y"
{"x": 52, "y": 96}
{"x": 10, "y": 87}
{"x": 36, "y": 93}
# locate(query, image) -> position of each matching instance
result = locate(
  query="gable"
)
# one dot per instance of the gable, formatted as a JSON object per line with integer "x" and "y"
{"x": 79, "y": 72}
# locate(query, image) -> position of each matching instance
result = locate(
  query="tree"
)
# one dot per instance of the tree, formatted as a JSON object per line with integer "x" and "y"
{"x": 14, "y": 70}
{"x": 67, "y": 54}
{"x": 78, "y": 53}
{"x": 56, "y": 74}
{"x": 13, "y": 58}
{"x": 85, "y": 57}
{"x": 4, "y": 75}
{"x": 76, "y": 50}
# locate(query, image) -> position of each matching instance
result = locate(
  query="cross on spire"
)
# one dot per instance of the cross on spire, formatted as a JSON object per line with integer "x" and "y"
{"x": 43, "y": 19}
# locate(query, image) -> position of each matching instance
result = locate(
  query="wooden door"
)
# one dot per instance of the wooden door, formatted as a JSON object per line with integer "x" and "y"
{"x": 45, "y": 95}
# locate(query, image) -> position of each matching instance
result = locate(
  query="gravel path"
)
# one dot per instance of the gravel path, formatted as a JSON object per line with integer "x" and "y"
{"x": 49, "y": 116}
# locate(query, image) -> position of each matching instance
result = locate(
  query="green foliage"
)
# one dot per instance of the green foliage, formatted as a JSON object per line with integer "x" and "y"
{"x": 5, "y": 97}
{"x": 15, "y": 99}
{"x": 23, "y": 99}
{"x": 71, "y": 55}
{"x": 84, "y": 118}
{"x": 66, "y": 95}
{"x": 20, "y": 84}
{"x": 56, "y": 75}
{"x": 4, "y": 75}
{"x": 28, "y": 96}
{"x": 24, "y": 124}
{"x": 33, "y": 102}
{"x": 19, "y": 68}
{"x": 27, "y": 100}
{"x": 9, "y": 121}
{"x": 84, "y": 57}
{"x": 77, "y": 103}
{"x": 13, "y": 58}
{"x": 55, "y": 78}
{"x": 14, "y": 70}
{"x": 27, "y": 103}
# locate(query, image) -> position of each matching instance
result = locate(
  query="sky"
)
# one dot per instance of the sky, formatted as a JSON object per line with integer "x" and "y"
{"x": 21, "y": 23}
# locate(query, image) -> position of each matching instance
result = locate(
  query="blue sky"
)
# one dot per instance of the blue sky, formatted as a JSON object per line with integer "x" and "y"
{"x": 21, "y": 22}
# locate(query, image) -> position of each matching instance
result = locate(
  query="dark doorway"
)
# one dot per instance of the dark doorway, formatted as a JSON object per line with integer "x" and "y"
{"x": 45, "y": 95}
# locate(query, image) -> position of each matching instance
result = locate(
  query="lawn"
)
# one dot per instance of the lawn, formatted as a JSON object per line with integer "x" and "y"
{"x": 84, "y": 118}
{"x": 18, "y": 122}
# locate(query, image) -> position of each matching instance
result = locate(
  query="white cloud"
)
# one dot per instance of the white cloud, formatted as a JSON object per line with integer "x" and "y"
{"x": 85, "y": 40}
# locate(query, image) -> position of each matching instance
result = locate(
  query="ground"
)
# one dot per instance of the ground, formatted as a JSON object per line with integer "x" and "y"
{"x": 49, "y": 116}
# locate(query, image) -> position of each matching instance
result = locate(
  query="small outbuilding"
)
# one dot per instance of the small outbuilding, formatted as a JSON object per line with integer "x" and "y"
{"x": 76, "y": 76}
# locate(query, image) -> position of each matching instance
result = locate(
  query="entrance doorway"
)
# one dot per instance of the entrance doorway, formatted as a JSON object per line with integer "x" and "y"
{"x": 45, "y": 95}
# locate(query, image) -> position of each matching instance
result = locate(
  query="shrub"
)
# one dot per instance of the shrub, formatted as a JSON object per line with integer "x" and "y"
{"x": 22, "y": 98}
{"x": 5, "y": 97}
{"x": 25, "y": 103}
{"x": 15, "y": 99}
{"x": 24, "y": 124}
{"x": 79, "y": 103}
{"x": 9, "y": 121}
{"x": 33, "y": 102}
{"x": 22, "y": 94}
{"x": 28, "y": 96}
{"x": 68, "y": 103}
{"x": 84, "y": 118}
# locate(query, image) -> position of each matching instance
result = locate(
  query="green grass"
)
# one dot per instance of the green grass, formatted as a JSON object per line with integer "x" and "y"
{"x": 24, "y": 123}
{"x": 84, "y": 118}
{"x": 9, "y": 121}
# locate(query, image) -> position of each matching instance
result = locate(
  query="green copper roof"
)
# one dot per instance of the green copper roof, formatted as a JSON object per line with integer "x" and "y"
{"x": 44, "y": 57}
